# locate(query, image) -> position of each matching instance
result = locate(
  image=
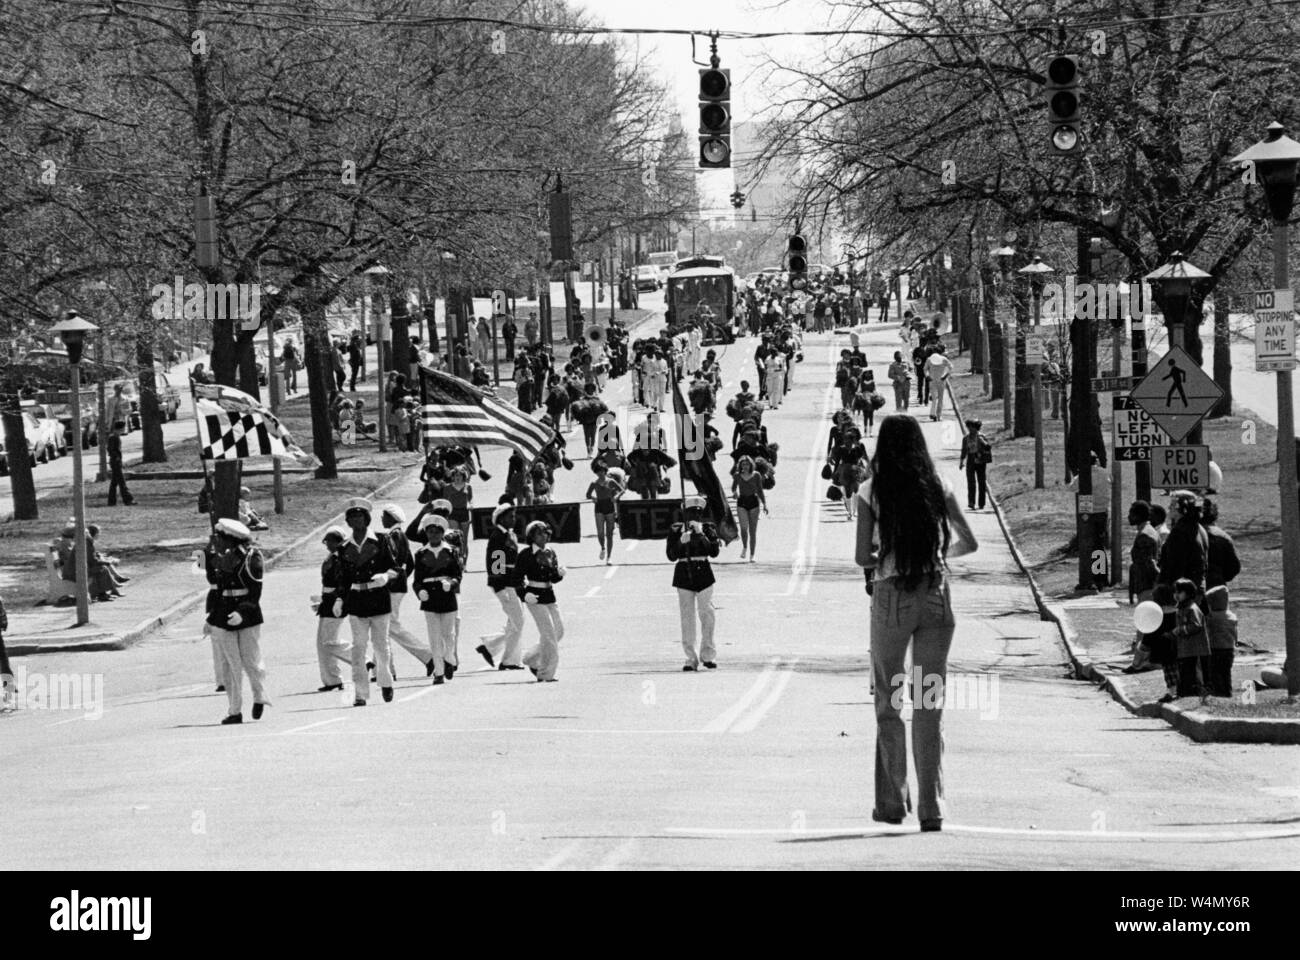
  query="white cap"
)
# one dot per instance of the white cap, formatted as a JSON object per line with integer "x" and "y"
{"x": 394, "y": 511}
{"x": 441, "y": 505}
{"x": 337, "y": 531}
{"x": 433, "y": 520}
{"x": 501, "y": 510}
{"x": 693, "y": 503}
{"x": 233, "y": 529}
{"x": 359, "y": 503}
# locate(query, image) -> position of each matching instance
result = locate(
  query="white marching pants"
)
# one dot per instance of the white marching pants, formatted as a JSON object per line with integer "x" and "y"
{"x": 404, "y": 638}
{"x": 690, "y": 603}
{"x": 545, "y": 657}
{"x": 442, "y": 636}
{"x": 504, "y": 646}
{"x": 372, "y": 630}
{"x": 242, "y": 653}
{"x": 330, "y": 650}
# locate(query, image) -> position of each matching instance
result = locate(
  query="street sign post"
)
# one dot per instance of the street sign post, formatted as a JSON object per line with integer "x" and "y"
{"x": 1133, "y": 432}
{"x": 1036, "y": 346}
{"x": 1275, "y": 330}
{"x": 1181, "y": 468}
{"x": 1177, "y": 393}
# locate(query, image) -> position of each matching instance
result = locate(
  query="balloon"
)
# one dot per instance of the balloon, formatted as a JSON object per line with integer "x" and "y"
{"x": 1148, "y": 616}
{"x": 1216, "y": 477}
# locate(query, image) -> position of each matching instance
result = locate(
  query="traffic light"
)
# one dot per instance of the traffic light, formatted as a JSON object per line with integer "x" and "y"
{"x": 796, "y": 261}
{"x": 715, "y": 118}
{"x": 1062, "y": 92}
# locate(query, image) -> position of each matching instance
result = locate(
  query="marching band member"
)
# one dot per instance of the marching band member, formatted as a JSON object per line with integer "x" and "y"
{"x": 234, "y": 568}
{"x": 604, "y": 491}
{"x": 438, "y": 572}
{"x": 393, "y": 520}
{"x": 367, "y": 568}
{"x": 461, "y": 495}
{"x": 536, "y": 572}
{"x": 691, "y": 543}
{"x": 329, "y": 615}
{"x": 502, "y": 553}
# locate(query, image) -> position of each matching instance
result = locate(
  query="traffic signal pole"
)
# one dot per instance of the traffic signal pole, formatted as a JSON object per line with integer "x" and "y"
{"x": 1080, "y": 399}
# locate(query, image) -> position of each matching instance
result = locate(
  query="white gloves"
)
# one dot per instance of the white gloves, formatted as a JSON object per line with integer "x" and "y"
{"x": 338, "y": 607}
{"x": 560, "y": 569}
{"x": 531, "y": 598}
{"x": 379, "y": 580}
{"x": 686, "y": 536}
{"x": 445, "y": 584}
{"x": 424, "y": 596}
{"x": 235, "y": 619}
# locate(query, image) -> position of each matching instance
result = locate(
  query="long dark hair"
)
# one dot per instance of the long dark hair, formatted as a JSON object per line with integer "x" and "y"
{"x": 910, "y": 503}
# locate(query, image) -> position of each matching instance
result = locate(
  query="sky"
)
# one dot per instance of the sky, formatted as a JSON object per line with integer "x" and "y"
{"x": 752, "y": 83}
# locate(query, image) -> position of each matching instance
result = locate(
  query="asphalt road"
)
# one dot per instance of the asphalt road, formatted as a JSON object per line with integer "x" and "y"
{"x": 626, "y": 762}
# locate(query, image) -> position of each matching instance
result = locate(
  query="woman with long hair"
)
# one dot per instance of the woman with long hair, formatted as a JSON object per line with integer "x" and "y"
{"x": 747, "y": 485}
{"x": 906, "y": 520}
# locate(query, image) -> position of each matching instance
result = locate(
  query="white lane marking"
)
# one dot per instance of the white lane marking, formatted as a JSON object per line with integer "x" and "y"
{"x": 633, "y": 545}
{"x": 59, "y": 723}
{"x": 312, "y": 726}
{"x": 609, "y": 574}
{"x": 618, "y": 856}
{"x": 755, "y": 716}
{"x": 564, "y": 854}
{"x": 802, "y": 564}
{"x": 422, "y": 692}
{"x": 592, "y": 592}
{"x": 728, "y": 716}
{"x": 859, "y": 830}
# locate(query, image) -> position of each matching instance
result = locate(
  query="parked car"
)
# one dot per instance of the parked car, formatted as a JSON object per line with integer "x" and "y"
{"x": 58, "y": 407}
{"x": 169, "y": 395}
{"x": 647, "y": 277}
{"x": 43, "y": 434}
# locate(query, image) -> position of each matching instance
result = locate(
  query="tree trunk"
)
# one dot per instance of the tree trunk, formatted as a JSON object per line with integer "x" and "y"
{"x": 246, "y": 358}
{"x": 151, "y": 419}
{"x": 1222, "y": 358}
{"x": 1024, "y": 399}
{"x": 21, "y": 483}
{"x": 401, "y": 332}
{"x": 225, "y": 493}
{"x": 319, "y": 363}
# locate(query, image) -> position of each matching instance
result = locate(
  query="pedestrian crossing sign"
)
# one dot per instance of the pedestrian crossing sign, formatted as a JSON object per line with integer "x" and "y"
{"x": 1177, "y": 393}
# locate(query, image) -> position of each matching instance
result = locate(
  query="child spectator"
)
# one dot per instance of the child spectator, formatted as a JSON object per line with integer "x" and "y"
{"x": 413, "y": 427}
{"x": 976, "y": 452}
{"x": 1221, "y": 625}
{"x": 247, "y": 515}
{"x": 1193, "y": 644}
{"x": 400, "y": 426}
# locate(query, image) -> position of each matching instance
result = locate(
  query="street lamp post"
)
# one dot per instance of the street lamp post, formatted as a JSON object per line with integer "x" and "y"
{"x": 379, "y": 273}
{"x": 1035, "y": 271}
{"x": 851, "y": 253}
{"x": 73, "y": 331}
{"x": 1003, "y": 256}
{"x": 1275, "y": 160}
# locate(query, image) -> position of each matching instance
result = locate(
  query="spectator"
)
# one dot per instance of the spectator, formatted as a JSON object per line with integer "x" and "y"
{"x": 1143, "y": 572}
{"x": 1192, "y": 640}
{"x": 508, "y": 333}
{"x": 1159, "y": 521}
{"x": 976, "y": 453}
{"x": 8, "y": 691}
{"x": 1185, "y": 554}
{"x": 340, "y": 371}
{"x": 102, "y": 572}
{"x": 289, "y": 360}
{"x": 1222, "y": 564}
{"x": 1221, "y": 625}
{"x": 247, "y": 515}
{"x": 531, "y": 328}
{"x": 356, "y": 358}
{"x": 938, "y": 368}
{"x": 901, "y": 377}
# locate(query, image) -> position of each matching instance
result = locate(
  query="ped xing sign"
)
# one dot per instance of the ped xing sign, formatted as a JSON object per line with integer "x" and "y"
{"x": 1133, "y": 433}
{"x": 1181, "y": 468}
{"x": 1036, "y": 345}
{"x": 1275, "y": 330}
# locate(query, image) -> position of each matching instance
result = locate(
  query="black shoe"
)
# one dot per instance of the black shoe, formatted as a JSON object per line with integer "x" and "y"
{"x": 1167, "y": 698}
{"x": 533, "y": 671}
{"x": 483, "y": 652}
{"x": 221, "y": 688}
{"x": 438, "y": 681}
{"x": 257, "y": 710}
{"x": 449, "y": 669}
{"x": 392, "y": 671}
{"x": 388, "y": 694}
{"x": 233, "y": 718}
{"x": 931, "y": 826}
{"x": 511, "y": 666}
{"x": 688, "y": 668}
{"x": 358, "y": 702}
{"x": 710, "y": 665}
{"x": 428, "y": 668}
{"x": 328, "y": 687}
{"x": 891, "y": 820}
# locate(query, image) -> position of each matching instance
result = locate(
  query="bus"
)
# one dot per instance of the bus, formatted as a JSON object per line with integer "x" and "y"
{"x": 664, "y": 261}
{"x": 703, "y": 289}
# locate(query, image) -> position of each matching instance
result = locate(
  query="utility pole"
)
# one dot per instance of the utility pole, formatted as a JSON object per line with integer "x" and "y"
{"x": 1080, "y": 400}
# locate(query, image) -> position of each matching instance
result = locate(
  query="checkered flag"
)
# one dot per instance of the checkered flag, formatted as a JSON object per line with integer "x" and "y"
{"x": 235, "y": 426}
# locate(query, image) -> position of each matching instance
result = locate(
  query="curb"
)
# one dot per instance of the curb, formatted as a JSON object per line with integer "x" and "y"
{"x": 128, "y": 638}
{"x": 1199, "y": 727}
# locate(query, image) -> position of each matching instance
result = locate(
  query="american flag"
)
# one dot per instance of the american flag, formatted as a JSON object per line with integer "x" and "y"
{"x": 457, "y": 413}
{"x": 235, "y": 426}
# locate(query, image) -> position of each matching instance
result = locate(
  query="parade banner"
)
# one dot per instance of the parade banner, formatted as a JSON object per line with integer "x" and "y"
{"x": 647, "y": 519}
{"x": 564, "y": 519}
{"x": 235, "y": 426}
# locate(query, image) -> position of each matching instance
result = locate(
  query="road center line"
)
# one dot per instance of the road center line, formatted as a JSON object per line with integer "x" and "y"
{"x": 755, "y": 716}
{"x": 728, "y": 716}
{"x": 423, "y": 692}
{"x": 592, "y": 592}
{"x": 310, "y": 726}
{"x": 609, "y": 574}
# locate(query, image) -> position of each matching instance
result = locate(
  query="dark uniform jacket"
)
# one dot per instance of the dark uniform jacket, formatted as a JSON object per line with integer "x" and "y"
{"x": 357, "y": 564}
{"x": 331, "y": 587}
{"x": 693, "y": 570}
{"x": 538, "y": 566}
{"x": 401, "y": 548}
{"x": 431, "y": 564}
{"x": 236, "y": 578}
{"x": 502, "y": 553}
